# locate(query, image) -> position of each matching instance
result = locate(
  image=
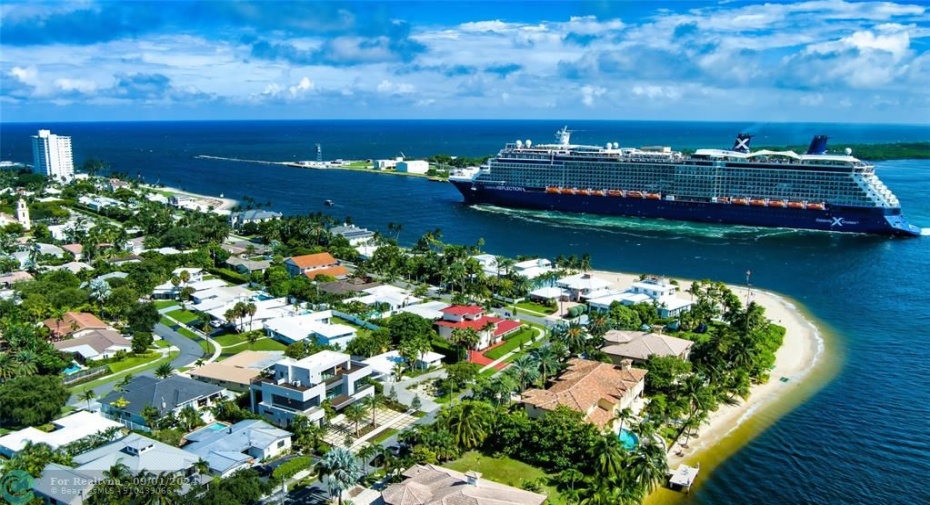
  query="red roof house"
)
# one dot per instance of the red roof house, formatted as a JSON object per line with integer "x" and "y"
{"x": 491, "y": 329}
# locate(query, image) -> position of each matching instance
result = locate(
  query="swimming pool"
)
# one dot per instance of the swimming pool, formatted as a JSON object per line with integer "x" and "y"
{"x": 72, "y": 369}
{"x": 216, "y": 427}
{"x": 262, "y": 297}
{"x": 628, "y": 439}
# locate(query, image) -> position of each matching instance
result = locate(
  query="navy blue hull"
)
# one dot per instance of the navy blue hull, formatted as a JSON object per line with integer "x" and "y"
{"x": 833, "y": 218}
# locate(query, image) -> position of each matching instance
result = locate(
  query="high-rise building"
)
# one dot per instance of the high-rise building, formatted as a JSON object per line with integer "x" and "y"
{"x": 52, "y": 155}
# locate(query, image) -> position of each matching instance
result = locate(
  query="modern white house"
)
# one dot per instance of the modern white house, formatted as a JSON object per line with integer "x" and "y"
{"x": 299, "y": 387}
{"x": 316, "y": 325}
{"x": 353, "y": 233}
{"x": 228, "y": 449}
{"x": 385, "y": 299}
{"x": 384, "y": 364}
{"x": 583, "y": 286}
{"x": 655, "y": 291}
{"x": 238, "y": 219}
{"x": 52, "y": 155}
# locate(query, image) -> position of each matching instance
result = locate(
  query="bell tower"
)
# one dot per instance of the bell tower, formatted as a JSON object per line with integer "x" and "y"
{"x": 22, "y": 214}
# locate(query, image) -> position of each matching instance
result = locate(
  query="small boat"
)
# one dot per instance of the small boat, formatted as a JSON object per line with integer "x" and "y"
{"x": 329, "y": 203}
{"x": 634, "y": 194}
{"x": 615, "y": 192}
{"x": 740, "y": 201}
{"x": 816, "y": 206}
{"x": 654, "y": 196}
{"x": 796, "y": 205}
{"x": 723, "y": 200}
{"x": 757, "y": 202}
{"x": 777, "y": 203}
{"x": 552, "y": 189}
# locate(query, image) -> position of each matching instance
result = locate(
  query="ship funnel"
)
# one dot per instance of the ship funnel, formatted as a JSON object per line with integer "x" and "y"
{"x": 818, "y": 145}
{"x": 741, "y": 145}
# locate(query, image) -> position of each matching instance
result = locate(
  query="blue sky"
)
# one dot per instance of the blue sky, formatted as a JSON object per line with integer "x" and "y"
{"x": 824, "y": 60}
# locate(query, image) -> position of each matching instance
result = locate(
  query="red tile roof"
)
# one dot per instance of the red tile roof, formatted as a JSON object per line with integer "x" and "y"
{"x": 74, "y": 321}
{"x": 313, "y": 260}
{"x": 461, "y": 310}
{"x": 501, "y": 326}
{"x": 336, "y": 271}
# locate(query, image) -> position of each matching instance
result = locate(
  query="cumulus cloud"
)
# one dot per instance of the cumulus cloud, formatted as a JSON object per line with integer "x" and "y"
{"x": 590, "y": 93}
{"x": 387, "y": 87}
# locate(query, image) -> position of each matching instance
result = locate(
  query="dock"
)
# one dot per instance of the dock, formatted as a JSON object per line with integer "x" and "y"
{"x": 682, "y": 478}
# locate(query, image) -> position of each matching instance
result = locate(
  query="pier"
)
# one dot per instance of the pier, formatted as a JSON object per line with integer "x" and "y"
{"x": 682, "y": 478}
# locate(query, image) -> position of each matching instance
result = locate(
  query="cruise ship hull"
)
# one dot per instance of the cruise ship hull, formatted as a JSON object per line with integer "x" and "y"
{"x": 833, "y": 218}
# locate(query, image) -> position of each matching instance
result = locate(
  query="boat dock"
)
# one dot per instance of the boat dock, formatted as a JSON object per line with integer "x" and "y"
{"x": 682, "y": 478}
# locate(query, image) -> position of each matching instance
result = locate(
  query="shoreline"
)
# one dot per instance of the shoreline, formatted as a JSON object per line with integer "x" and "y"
{"x": 730, "y": 427}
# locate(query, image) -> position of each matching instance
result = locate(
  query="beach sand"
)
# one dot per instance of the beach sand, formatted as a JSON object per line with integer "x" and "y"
{"x": 800, "y": 351}
{"x": 219, "y": 204}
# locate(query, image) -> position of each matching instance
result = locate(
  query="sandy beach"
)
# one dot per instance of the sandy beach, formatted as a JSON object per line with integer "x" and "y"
{"x": 220, "y": 205}
{"x": 800, "y": 351}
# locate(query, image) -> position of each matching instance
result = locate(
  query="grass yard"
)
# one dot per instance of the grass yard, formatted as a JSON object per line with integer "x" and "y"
{"x": 536, "y": 307}
{"x": 512, "y": 343}
{"x": 267, "y": 345}
{"x": 164, "y": 304}
{"x": 133, "y": 361}
{"x": 183, "y": 316}
{"x": 162, "y": 344}
{"x": 165, "y": 321}
{"x": 505, "y": 471}
{"x": 382, "y": 436}
{"x": 114, "y": 377}
{"x": 230, "y": 339}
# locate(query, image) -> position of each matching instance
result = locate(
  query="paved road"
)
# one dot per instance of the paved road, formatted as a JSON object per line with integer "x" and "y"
{"x": 190, "y": 352}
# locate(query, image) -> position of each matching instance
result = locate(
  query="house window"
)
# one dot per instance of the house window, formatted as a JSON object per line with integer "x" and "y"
{"x": 280, "y": 444}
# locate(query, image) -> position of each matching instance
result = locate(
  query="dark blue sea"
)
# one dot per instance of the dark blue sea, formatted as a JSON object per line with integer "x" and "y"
{"x": 864, "y": 437}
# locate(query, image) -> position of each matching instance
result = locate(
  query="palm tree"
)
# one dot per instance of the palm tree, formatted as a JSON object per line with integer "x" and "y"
{"x": 548, "y": 362}
{"x": 87, "y": 396}
{"x": 252, "y": 337}
{"x": 354, "y": 414}
{"x": 26, "y": 363}
{"x": 465, "y": 338}
{"x": 250, "y": 309}
{"x": 338, "y": 470}
{"x": 648, "y": 465}
{"x": 609, "y": 456}
{"x": 164, "y": 371}
{"x": 202, "y": 467}
{"x": 469, "y": 423}
{"x": 230, "y": 316}
{"x": 124, "y": 384}
{"x": 622, "y": 416}
{"x": 366, "y": 454}
{"x": 115, "y": 486}
{"x": 161, "y": 489}
{"x": 374, "y": 402}
{"x": 525, "y": 370}
{"x": 199, "y": 363}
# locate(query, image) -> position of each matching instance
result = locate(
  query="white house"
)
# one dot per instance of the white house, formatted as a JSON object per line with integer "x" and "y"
{"x": 383, "y": 364}
{"x": 237, "y": 447}
{"x": 391, "y": 298}
{"x": 315, "y": 325}
{"x": 299, "y": 387}
{"x": 67, "y": 429}
{"x": 583, "y": 285}
{"x": 654, "y": 290}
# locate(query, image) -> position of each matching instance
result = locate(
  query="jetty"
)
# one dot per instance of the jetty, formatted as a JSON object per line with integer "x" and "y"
{"x": 682, "y": 478}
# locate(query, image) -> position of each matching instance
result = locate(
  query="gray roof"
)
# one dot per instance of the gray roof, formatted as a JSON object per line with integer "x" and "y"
{"x": 249, "y": 265}
{"x": 351, "y": 232}
{"x": 639, "y": 346}
{"x": 163, "y": 394}
{"x": 138, "y": 453}
{"x": 64, "y": 484}
{"x": 228, "y": 448}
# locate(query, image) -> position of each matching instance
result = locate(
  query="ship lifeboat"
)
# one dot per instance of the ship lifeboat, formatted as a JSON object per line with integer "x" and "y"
{"x": 587, "y": 192}
{"x": 567, "y": 191}
{"x": 796, "y": 205}
{"x": 615, "y": 192}
{"x": 634, "y": 194}
{"x": 653, "y": 196}
{"x": 816, "y": 206}
{"x": 723, "y": 200}
{"x": 552, "y": 189}
{"x": 740, "y": 201}
{"x": 777, "y": 203}
{"x": 757, "y": 203}
{"x": 602, "y": 192}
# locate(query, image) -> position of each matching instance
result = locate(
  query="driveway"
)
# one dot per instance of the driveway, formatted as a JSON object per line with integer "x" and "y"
{"x": 190, "y": 350}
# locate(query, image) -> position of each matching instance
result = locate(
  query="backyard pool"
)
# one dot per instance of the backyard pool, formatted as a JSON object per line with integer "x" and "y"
{"x": 73, "y": 368}
{"x": 628, "y": 439}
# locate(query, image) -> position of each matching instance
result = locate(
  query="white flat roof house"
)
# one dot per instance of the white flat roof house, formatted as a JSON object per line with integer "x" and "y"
{"x": 314, "y": 325}
{"x": 299, "y": 387}
{"x": 393, "y": 297}
{"x": 271, "y": 308}
{"x": 655, "y": 290}
{"x": 383, "y": 364}
{"x": 67, "y": 429}
{"x": 583, "y": 285}
{"x": 428, "y": 310}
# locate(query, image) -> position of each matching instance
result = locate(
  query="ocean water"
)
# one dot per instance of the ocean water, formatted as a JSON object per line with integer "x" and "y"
{"x": 864, "y": 437}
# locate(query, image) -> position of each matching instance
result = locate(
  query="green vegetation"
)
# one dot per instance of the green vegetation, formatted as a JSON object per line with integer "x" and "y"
{"x": 268, "y": 344}
{"x": 183, "y": 316}
{"x": 512, "y": 342}
{"x": 505, "y": 471}
{"x": 536, "y": 307}
{"x": 31, "y": 400}
{"x": 133, "y": 361}
{"x": 164, "y": 304}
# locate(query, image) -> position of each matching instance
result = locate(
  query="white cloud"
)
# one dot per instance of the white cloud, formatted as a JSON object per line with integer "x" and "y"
{"x": 79, "y": 85}
{"x": 387, "y": 87}
{"x": 305, "y": 85}
{"x": 653, "y": 91}
{"x": 589, "y": 93}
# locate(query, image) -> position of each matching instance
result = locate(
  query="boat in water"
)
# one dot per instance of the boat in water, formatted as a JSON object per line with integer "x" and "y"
{"x": 814, "y": 190}
{"x": 329, "y": 203}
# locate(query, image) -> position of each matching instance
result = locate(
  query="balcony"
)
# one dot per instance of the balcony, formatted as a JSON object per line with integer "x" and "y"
{"x": 287, "y": 385}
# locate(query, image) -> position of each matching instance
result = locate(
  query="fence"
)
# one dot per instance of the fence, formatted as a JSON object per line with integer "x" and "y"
{"x": 85, "y": 375}
{"x": 356, "y": 320}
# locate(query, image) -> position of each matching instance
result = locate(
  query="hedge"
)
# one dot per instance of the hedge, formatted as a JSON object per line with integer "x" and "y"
{"x": 290, "y": 469}
{"x": 230, "y": 275}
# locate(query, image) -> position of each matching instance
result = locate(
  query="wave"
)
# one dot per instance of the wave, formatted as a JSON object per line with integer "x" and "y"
{"x": 924, "y": 232}
{"x": 639, "y": 227}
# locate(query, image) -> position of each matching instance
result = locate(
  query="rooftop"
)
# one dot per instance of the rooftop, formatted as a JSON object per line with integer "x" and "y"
{"x": 638, "y": 345}
{"x": 313, "y": 260}
{"x": 138, "y": 453}
{"x": 72, "y": 322}
{"x": 163, "y": 394}
{"x": 462, "y": 310}
{"x": 435, "y": 485}
{"x": 583, "y": 385}
{"x": 67, "y": 429}
{"x": 225, "y": 449}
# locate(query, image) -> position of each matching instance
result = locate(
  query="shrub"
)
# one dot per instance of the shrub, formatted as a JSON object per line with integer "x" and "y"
{"x": 290, "y": 469}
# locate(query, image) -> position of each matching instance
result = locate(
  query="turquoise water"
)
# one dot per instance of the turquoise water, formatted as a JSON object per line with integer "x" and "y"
{"x": 72, "y": 369}
{"x": 263, "y": 296}
{"x": 862, "y": 439}
{"x": 216, "y": 427}
{"x": 628, "y": 439}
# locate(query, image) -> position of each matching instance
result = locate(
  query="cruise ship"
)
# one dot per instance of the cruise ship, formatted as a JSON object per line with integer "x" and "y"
{"x": 814, "y": 190}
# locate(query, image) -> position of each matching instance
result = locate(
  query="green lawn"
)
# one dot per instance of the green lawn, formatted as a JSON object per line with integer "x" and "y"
{"x": 267, "y": 345}
{"x": 162, "y": 343}
{"x": 505, "y": 471}
{"x": 163, "y": 304}
{"x": 115, "y": 377}
{"x": 230, "y": 339}
{"x": 382, "y": 436}
{"x": 183, "y": 316}
{"x": 133, "y": 361}
{"x": 536, "y": 307}
{"x": 512, "y": 343}
{"x": 165, "y": 321}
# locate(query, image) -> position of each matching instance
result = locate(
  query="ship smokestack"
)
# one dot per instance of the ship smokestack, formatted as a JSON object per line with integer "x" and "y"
{"x": 818, "y": 145}
{"x": 741, "y": 145}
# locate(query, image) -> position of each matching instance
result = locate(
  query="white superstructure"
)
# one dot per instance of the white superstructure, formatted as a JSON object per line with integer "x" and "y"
{"x": 52, "y": 155}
